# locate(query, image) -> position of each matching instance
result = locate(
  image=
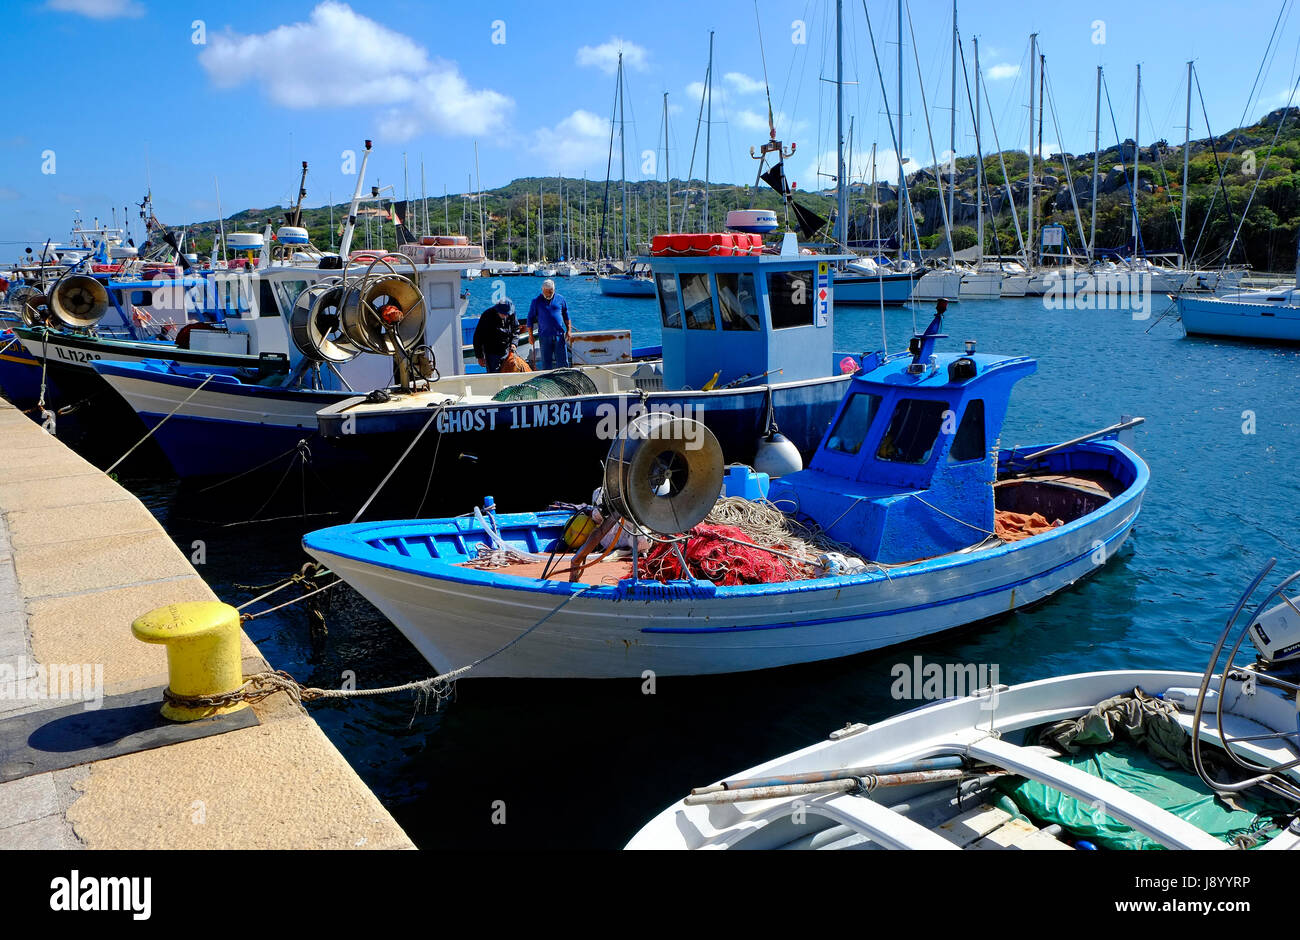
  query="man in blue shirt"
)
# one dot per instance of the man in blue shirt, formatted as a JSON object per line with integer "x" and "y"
{"x": 549, "y": 314}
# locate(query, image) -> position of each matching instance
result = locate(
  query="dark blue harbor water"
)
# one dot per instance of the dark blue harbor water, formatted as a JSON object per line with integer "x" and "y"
{"x": 585, "y": 764}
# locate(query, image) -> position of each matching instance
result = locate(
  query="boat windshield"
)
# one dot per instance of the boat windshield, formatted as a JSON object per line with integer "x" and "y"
{"x": 669, "y": 308}
{"x": 851, "y": 429}
{"x": 912, "y": 431}
{"x": 736, "y": 300}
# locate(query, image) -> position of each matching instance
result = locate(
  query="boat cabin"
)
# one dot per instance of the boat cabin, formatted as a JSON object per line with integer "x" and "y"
{"x": 733, "y": 315}
{"x": 907, "y": 468}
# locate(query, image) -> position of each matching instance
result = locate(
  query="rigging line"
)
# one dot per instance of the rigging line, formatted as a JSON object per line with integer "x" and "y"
{"x": 150, "y": 432}
{"x": 1260, "y": 71}
{"x": 1124, "y": 165}
{"x": 1227, "y": 203}
{"x": 902, "y": 196}
{"x": 979, "y": 151}
{"x": 1065, "y": 158}
{"x": 690, "y": 170}
{"x": 1006, "y": 179}
{"x": 410, "y": 447}
{"x": 943, "y": 204}
{"x": 1259, "y": 177}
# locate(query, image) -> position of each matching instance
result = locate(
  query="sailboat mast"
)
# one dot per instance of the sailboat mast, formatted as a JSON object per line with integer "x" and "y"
{"x": 708, "y": 130}
{"x": 1187, "y": 141}
{"x": 952, "y": 124}
{"x": 622, "y": 147}
{"x": 841, "y": 190}
{"x": 1096, "y": 157}
{"x": 1029, "y": 230}
{"x": 668, "y": 177}
{"x": 979, "y": 158}
{"x": 902, "y": 176}
{"x": 1137, "y": 158}
{"x": 478, "y": 197}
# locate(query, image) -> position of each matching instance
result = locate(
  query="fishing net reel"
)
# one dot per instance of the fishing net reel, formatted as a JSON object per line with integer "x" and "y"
{"x": 316, "y": 326}
{"x": 664, "y": 473}
{"x": 383, "y": 312}
{"x": 79, "y": 301}
{"x": 32, "y": 306}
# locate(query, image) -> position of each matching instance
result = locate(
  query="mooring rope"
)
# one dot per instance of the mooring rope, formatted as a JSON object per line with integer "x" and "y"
{"x": 149, "y": 433}
{"x": 262, "y": 685}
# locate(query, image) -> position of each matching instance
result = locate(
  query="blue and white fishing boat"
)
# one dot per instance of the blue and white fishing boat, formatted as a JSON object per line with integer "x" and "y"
{"x": 909, "y": 481}
{"x": 1135, "y": 759}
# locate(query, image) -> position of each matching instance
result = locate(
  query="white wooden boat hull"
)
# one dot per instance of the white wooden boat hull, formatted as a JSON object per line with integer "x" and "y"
{"x": 455, "y": 622}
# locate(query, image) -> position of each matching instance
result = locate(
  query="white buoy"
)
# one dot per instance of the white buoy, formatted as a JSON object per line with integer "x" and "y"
{"x": 776, "y": 456}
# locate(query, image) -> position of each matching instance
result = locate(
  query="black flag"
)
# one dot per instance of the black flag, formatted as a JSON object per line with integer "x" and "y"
{"x": 775, "y": 178}
{"x": 810, "y": 223}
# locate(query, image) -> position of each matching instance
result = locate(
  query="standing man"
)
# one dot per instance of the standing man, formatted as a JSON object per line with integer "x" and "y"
{"x": 550, "y": 314}
{"x": 495, "y": 334}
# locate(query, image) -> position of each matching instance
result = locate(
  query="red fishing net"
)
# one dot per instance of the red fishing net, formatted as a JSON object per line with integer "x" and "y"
{"x": 711, "y": 555}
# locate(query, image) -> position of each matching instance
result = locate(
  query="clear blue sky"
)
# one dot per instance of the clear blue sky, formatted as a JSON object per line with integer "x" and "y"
{"x": 123, "y": 95}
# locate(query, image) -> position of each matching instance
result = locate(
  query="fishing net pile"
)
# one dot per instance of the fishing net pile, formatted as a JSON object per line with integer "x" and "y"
{"x": 561, "y": 383}
{"x": 748, "y": 542}
{"x": 1014, "y": 526}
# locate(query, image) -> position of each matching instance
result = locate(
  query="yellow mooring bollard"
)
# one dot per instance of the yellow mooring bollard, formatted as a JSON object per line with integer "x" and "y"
{"x": 202, "y": 640}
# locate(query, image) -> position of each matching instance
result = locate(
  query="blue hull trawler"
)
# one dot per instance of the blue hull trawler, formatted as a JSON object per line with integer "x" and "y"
{"x": 910, "y": 520}
{"x": 747, "y": 349}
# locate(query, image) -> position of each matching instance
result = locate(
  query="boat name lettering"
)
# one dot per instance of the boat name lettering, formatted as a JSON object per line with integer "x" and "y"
{"x": 545, "y": 414}
{"x": 75, "y": 355}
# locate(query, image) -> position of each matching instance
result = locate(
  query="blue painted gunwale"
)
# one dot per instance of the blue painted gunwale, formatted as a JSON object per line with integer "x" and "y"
{"x": 357, "y": 542}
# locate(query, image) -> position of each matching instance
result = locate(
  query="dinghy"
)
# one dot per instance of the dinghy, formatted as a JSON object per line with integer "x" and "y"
{"x": 1126, "y": 759}
{"x": 910, "y": 521}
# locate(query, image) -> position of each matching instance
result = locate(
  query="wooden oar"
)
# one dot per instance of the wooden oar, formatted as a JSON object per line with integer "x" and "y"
{"x": 868, "y": 783}
{"x": 818, "y": 776}
{"x": 1113, "y": 429}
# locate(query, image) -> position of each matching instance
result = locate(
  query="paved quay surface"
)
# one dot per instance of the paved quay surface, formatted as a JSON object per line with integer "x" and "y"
{"x": 80, "y": 558}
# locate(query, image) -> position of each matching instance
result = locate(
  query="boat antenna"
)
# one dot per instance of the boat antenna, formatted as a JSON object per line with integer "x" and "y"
{"x": 776, "y": 177}
{"x": 295, "y": 217}
{"x": 221, "y": 221}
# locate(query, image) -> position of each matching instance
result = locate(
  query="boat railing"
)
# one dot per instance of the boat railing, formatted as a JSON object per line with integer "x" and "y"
{"x": 1275, "y": 776}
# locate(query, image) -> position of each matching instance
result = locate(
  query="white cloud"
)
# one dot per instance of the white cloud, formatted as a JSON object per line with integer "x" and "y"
{"x": 579, "y": 142}
{"x": 743, "y": 83}
{"x": 605, "y": 56}
{"x": 757, "y": 121}
{"x": 97, "y": 9}
{"x": 444, "y": 101}
{"x": 339, "y": 58}
{"x": 1002, "y": 71}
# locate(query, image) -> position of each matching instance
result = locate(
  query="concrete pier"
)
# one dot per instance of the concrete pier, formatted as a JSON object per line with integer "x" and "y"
{"x": 80, "y": 558}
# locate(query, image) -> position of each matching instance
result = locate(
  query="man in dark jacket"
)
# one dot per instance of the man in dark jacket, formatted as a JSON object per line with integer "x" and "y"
{"x": 495, "y": 334}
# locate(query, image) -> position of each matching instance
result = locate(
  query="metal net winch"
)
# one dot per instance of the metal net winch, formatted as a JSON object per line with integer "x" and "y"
{"x": 379, "y": 311}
